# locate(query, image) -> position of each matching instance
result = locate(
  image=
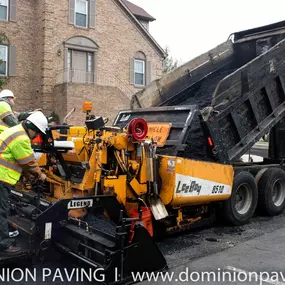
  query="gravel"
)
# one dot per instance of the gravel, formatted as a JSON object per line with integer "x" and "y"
{"x": 101, "y": 223}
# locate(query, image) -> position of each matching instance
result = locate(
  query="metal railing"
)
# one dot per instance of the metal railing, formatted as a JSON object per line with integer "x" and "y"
{"x": 83, "y": 77}
{"x": 75, "y": 76}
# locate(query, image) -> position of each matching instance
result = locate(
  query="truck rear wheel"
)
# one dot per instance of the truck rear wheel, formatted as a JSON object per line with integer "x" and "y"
{"x": 271, "y": 187}
{"x": 240, "y": 207}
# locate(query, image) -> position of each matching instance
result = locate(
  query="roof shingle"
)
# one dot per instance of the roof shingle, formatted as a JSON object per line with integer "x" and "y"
{"x": 138, "y": 11}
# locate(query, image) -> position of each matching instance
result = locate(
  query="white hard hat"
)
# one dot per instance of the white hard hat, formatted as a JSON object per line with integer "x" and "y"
{"x": 6, "y": 94}
{"x": 39, "y": 120}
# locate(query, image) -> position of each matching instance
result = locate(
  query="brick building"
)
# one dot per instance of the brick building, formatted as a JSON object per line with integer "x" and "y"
{"x": 57, "y": 53}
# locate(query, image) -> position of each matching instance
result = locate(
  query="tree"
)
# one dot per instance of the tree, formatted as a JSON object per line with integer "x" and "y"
{"x": 169, "y": 63}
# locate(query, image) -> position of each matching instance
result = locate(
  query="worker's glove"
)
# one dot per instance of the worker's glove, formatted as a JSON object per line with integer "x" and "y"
{"x": 42, "y": 177}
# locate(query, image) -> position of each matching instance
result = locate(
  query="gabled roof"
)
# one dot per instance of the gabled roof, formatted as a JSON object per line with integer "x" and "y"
{"x": 141, "y": 27}
{"x": 138, "y": 11}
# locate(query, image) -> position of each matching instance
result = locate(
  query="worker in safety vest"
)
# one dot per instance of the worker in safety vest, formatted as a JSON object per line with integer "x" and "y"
{"x": 16, "y": 156}
{"x": 7, "y": 117}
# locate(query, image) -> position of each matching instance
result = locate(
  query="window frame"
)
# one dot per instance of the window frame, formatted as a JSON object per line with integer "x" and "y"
{"x": 90, "y": 59}
{"x": 87, "y": 14}
{"x": 8, "y": 6}
{"x": 84, "y": 44}
{"x": 7, "y": 58}
{"x": 69, "y": 59}
{"x": 144, "y": 73}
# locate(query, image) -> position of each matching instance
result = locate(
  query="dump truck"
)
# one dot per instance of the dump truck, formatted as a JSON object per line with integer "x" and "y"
{"x": 241, "y": 74}
{"x": 170, "y": 164}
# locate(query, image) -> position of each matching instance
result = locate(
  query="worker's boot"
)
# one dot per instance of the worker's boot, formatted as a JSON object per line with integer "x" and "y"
{"x": 11, "y": 250}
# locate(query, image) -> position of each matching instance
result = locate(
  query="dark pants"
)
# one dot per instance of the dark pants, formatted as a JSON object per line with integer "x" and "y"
{"x": 5, "y": 241}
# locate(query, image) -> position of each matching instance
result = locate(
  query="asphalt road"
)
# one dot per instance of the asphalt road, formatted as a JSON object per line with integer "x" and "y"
{"x": 205, "y": 249}
{"x": 259, "y": 151}
{"x": 251, "y": 260}
{"x": 208, "y": 248}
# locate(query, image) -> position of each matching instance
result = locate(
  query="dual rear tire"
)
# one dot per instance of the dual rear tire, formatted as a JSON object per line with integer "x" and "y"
{"x": 271, "y": 190}
{"x": 264, "y": 193}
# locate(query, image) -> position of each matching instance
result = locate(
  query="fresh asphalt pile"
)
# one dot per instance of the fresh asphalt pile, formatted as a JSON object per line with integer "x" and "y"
{"x": 201, "y": 95}
{"x": 99, "y": 222}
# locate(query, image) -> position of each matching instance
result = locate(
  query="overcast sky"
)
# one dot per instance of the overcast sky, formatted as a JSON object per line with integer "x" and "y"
{"x": 191, "y": 27}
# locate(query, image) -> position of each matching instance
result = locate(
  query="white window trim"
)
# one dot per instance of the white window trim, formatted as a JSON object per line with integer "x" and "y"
{"x": 87, "y": 14}
{"x": 139, "y": 60}
{"x": 8, "y": 5}
{"x": 88, "y": 74}
{"x": 69, "y": 58}
{"x": 90, "y": 56}
{"x": 6, "y": 74}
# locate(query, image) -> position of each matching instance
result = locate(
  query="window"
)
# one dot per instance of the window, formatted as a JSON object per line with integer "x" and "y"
{"x": 4, "y": 9}
{"x": 139, "y": 72}
{"x": 69, "y": 60}
{"x": 81, "y": 13}
{"x": 80, "y": 66}
{"x": 80, "y": 58}
{"x": 3, "y": 60}
{"x": 90, "y": 62}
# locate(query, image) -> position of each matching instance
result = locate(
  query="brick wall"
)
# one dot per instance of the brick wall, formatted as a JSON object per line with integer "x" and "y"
{"x": 39, "y": 35}
{"x": 116, "y": 46}
{"x": 21, "y": 35}
{"x": 60, "y": 97}
{"x": 106, "y": 101}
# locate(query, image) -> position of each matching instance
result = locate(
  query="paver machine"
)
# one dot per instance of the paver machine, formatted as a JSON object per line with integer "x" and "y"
{"x": 112, "y": 189}
{"x": 108, "y": 195}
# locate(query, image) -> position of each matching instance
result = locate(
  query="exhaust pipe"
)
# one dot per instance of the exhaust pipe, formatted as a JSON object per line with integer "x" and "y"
{"x": 68, "y": 115}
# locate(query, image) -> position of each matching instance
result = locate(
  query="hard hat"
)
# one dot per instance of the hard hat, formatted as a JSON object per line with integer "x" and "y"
{"x": 6, "y": 94}
{"x": 39, "y": 120}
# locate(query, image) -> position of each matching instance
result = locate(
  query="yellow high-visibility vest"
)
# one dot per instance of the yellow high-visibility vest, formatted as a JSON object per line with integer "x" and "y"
{"x": 15, "y": 150}
{"x": 5, "y": 110}
{"x": 3, "y": 127}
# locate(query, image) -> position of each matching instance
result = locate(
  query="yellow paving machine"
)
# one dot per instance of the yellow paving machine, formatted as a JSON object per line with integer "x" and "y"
{"x": 161, "y": 169}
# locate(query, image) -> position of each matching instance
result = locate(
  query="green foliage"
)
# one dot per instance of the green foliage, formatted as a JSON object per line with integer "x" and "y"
{"x": 3, "y": 40}
{"x": 3, "y": 81}
{"x": 169, "y": 63}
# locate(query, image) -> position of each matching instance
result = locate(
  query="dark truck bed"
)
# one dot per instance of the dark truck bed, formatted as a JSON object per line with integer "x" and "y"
{"x": 239, "y": 88}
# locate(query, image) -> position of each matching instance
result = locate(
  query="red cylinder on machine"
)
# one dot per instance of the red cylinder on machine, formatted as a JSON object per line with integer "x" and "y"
{"x": 146, "y": 219}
